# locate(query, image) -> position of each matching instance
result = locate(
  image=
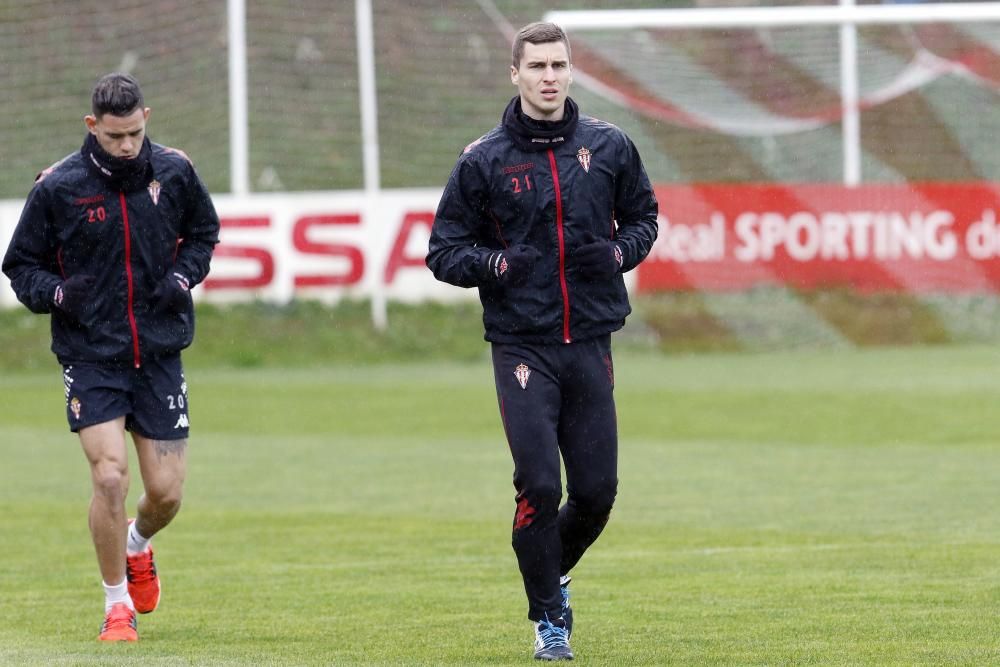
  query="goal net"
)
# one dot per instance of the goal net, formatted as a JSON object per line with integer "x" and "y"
{"x": 304, "y": 126}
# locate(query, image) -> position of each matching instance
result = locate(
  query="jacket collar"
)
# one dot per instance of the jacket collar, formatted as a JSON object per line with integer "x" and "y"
{"x": 127, "y": 175}
{"x": 533, "y": 135}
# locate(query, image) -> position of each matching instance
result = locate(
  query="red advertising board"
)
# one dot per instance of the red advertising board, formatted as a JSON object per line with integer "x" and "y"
{"x": 931, "y": 237}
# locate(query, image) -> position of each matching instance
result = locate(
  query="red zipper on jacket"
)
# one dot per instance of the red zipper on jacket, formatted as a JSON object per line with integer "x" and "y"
{"x": 562, "y": 246}
{"x": 128, "y": 278}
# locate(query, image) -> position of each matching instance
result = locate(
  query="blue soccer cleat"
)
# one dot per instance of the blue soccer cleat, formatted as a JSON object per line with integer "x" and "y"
{"x": 567, "y": 611}
{"x": 552, "y": 640}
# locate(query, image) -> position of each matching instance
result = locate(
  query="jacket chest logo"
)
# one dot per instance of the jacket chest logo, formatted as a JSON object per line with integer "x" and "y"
{"x": 154, "y": 191}
{"x": 583, "y": 157}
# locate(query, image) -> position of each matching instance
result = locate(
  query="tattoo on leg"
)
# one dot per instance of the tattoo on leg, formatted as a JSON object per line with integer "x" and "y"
{"x": 167, "y": 447}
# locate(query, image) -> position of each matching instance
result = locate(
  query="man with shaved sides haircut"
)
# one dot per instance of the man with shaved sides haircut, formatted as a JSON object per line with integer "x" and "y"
{"x": 110, "y": 242}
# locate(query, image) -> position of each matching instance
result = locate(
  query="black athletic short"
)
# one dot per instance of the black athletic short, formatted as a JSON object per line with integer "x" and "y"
{"x": 152, "y": 398}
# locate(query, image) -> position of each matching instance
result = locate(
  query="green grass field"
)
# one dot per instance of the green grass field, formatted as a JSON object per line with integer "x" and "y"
{"x": 829, "y": 508}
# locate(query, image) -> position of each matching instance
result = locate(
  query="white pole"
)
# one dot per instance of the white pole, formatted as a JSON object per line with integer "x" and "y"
{"x": 851, "y": 123}
{"x": 369, "y": 138}
{"x": 239, "y": 141}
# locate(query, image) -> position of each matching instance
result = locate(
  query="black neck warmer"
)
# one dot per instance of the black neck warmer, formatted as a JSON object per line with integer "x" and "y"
{"x": 122, "y": 174}
{"x": 538, "y": 135}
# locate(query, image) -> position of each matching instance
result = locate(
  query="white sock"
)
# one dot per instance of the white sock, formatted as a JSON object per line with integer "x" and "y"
{"x": 116, "y": 594}
{"x": 136, "y": 543}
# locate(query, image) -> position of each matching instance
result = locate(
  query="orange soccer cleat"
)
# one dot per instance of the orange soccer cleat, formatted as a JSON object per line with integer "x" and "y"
{"x": 143, "y": 584}
{"x": 119, "y": 625}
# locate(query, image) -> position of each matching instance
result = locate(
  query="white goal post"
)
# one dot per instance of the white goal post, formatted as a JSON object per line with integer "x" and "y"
{"x": 846, "y": 15}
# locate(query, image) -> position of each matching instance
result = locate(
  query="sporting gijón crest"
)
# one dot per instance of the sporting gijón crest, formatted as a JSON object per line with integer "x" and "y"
{"x": 154, "y": 191}
{"x": 583, "y": 157}
{"x": 522, "y": 373}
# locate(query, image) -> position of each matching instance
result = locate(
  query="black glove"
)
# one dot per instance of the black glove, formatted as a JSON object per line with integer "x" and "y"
{"x": 597, "y": 259}
{"x": 512, "y": 266}
{"x": 74, "y": 295}
{"x": 171, "y": 293}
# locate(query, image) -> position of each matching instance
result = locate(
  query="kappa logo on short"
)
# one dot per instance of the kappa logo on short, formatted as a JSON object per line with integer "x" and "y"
{"x": 67, "y": 378}
{"x": 154, "y": 191}
{"x": 75, "y": 407}
{"x": 583, "y": 157}
{"x": 522, "y": 373}
{"x": 182, "y": 421}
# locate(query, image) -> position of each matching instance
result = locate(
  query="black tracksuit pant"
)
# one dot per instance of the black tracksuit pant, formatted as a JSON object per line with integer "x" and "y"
{"x": 557, "y": 399}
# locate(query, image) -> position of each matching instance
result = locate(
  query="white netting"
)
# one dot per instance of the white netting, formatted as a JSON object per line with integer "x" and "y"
{"x": 764, "y": 104}
{"x": 302, "y": 72}
{"x": 53, "y": 52}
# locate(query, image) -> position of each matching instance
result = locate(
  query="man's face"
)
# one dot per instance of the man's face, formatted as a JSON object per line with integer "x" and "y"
{"x": 543, "y": 80}
{"x": 120, "y": 136}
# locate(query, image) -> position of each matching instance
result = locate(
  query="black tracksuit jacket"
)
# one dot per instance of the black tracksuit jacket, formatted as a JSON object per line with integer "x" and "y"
{"x": 553, "y": 186}
{"x": 75, "y": 221}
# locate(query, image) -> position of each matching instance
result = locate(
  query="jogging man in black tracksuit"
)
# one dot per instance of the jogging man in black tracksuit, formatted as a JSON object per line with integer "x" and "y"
{"x": 543, "y": 214}
{"x": 110, "y": 242}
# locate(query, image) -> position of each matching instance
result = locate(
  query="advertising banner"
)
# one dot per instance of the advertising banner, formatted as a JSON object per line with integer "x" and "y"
{"x": 324, "y": 246}
{"x": 931, "y": 237}
{"x": 921, "y": 238}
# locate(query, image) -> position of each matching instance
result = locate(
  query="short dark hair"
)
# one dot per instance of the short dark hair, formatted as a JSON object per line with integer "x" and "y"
{"x": 538, "y": 33}
{"x": 117, "y": 93}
